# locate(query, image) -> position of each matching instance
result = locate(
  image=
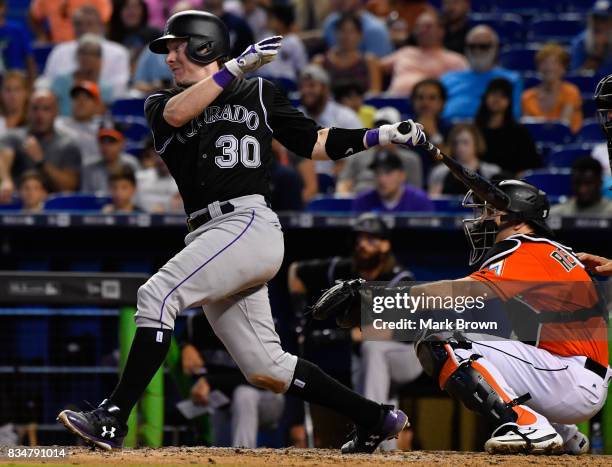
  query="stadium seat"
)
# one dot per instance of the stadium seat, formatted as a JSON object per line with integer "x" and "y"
{"x": 549, "y": 132}
{"x": 590, "y": 133}
{"x": 509, "y": 26}
{"x": 565, "y": 156}
{"x": 519, "y": 59}
{"x": 554, "y": 181}
{"x": 402, "y": 104}
{"x": 14, "y": 205}
{"x": 330, "y": 204}
{"x": 123, "y": 107}
{"x": 448, "y": 203}
{"x": 589, "y": 109}
{"x": 525, "y": 8}
{"x": 41, "y": 54}
{"x": 135, "y": 129}
{"x": 586, "y": 83}
{"x": 559, "y": 29}
{"x": 76, "y": 202}
{"x": 327, "y": 183}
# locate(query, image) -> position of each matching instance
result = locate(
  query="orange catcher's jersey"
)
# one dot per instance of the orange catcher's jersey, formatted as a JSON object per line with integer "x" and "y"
{"x": 548, "y": 278}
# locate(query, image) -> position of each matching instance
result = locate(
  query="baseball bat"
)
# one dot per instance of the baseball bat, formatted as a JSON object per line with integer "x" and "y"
{"x": 481, "y": 187}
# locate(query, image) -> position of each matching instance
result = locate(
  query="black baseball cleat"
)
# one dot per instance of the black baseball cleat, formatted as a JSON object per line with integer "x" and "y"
{"x": 367, "y": 440}
{"x": 100, "y": 427}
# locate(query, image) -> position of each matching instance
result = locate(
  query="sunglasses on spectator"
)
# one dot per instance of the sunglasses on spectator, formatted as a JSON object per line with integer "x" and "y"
{"x": 482, "y": 47}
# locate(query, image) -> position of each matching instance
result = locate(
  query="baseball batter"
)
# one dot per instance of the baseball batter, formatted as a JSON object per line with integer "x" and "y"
{"x": 533, "y": 393}
{"x": 214, "y": 131}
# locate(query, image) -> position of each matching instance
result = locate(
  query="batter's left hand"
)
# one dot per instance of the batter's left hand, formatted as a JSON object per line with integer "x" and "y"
{"x": 255, "y": 56}
{"x": 407, "y": 132}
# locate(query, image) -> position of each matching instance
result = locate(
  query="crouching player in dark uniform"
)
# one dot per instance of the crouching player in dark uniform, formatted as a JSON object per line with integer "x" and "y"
{"x": 214, "y": 132}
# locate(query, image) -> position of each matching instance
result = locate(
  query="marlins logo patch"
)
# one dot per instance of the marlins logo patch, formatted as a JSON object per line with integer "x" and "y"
{"x": 497, "y": 268}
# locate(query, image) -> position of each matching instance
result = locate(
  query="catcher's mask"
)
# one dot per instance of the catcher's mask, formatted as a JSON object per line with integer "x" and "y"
{"x": 526, "y": 204}
{"x": 207, "y": 36}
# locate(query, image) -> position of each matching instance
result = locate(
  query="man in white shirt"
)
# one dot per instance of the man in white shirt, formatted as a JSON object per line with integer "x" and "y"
{"x": 115, "y": 57}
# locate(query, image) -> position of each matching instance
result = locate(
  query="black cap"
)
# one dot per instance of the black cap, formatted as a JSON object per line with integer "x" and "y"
{"x": 386, "y": 160}
{"x": 372, "y": 224}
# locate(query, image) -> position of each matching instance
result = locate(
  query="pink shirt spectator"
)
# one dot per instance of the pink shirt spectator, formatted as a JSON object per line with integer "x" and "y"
{"x": 410, "y": 64}
{"x": 160, "y": 10}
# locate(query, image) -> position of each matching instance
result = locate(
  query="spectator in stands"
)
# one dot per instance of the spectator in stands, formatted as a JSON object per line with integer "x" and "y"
{"x": 391, "y": 194}
{"x": 89, "y": 66}
{"x": 311, "y": 14}
{"x": 129, "y": 26}
{"x": 157, "y": 190}
{"x": 39, "y": 146}
{"x": 50, "y": 20}
{"x": 591, "y": 50}
{"x": 427, "y": 59}
{"x": 428, "y": 99}
{"x": 553, "y": 99}
{"x": 32, "y": 191}
{"x": 115, "y": 70}
{"x": 508, "y": 143}
{"x": 240, "y": 32}
{"x": 255, "y": 13}
{"x": 344, "y": 61}
{"x": 14, "y": 95}
{"x": 85, "y": 120}
{"x": 358, "y": 175}
{"x": 15, "y": 45}
{"x": 96, "y": 175}
{"x": 456, "y": 17}
{"x": 122, "y": 183}
{"x": 465, "y": 88}
{"x": 375, "y": 36}
{"x": 292, "y": 57}
{"x": 250, "y": 408}
{"x": 586, "y": 188}
{"x": 351, "y": 95}
{"x": 318, "y": 105}
{"x": 406, "y": 11}
{"x": 151, "y": 73}
{"x": 466, "y": 146}
{"x": 161, "y": 10}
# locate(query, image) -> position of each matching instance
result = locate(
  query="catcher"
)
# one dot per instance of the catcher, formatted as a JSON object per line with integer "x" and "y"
{"x": 534, "y": 394}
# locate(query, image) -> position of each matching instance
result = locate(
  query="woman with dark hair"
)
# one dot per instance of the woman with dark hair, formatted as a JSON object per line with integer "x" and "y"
{"x": 509, "y": 143}
{"x": 129, "y": 26}
{"x": 345, "y": 62}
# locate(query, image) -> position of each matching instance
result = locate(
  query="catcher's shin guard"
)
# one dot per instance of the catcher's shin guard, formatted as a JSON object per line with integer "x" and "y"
{"x": 469, "y": 382}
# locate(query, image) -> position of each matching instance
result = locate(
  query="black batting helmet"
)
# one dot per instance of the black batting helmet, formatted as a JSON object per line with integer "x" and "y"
{"x": 208, "y": 37}
{"x": 524, "y": 203}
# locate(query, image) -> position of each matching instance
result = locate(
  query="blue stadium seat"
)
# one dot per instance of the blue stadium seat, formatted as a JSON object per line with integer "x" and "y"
{"x": 589, "y": 109}
{"x": 402, "y": 104}
{"x": 330, "y": 204}
{"x": 523, "y": 7}
{"x": 76, "y": 202}
{"x": 448, "y": 203}
{"x": 559, "y": 29}
{"x": 509, "y": 26}
{"x": 135, "y": 129}
{"x": 530, "y": 79}
{"x": 590, "y": 133}
{"x": 327, "y": 183}
{"x": 134, "y": 148}
{"x": 555, "y": 182}
{"x": 565, "y": 156}
{"x": 519, "y": 58}
{"x": 41, "y": 54}
{"x": 123, "y": 107}
{"x": 586, "y": 83}
{"x": 14, "y": 205}
{"x": 549, "y": 132}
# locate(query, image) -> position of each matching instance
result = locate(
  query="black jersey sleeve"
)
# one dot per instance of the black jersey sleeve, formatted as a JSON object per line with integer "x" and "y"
{"x": 291, "y": 127}
{"x": 162, "y": 131}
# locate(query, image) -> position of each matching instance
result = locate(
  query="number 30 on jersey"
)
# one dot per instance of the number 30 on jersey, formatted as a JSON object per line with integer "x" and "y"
{"x": 246, "y": 151}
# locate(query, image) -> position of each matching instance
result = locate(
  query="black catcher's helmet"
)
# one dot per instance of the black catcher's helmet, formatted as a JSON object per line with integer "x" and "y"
{"x": 603, "y": 101}
{"x": 524, "y": 203}
{"x": 208, "y": 37}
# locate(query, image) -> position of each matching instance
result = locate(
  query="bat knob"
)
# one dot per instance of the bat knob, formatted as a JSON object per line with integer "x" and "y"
{"x": 404, "y": 128}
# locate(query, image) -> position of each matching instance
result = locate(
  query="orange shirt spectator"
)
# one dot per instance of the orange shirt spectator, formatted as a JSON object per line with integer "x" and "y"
{"x": 428, "y": 59}
{"x": 553, "y": 98}
{"x": 58, "y": 14}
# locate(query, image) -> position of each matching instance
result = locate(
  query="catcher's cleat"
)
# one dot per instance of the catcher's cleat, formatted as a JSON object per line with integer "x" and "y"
{"x": 99, "y": 427}
{"x": 367, "y": 440}
{"x": 511, "y": 438}
{"x": 577, "y": 444}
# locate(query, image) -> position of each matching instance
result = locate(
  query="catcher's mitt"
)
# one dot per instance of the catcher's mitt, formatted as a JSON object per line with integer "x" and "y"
{"x": 343, "y": 301}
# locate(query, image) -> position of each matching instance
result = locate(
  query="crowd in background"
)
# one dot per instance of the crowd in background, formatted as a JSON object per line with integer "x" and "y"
{"x": 60, "y": 131}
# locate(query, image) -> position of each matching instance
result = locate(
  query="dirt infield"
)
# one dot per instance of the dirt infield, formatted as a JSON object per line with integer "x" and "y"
{"x": 297, "y": 457}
